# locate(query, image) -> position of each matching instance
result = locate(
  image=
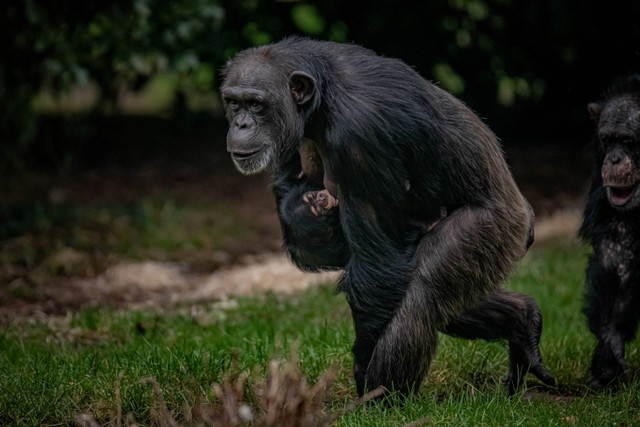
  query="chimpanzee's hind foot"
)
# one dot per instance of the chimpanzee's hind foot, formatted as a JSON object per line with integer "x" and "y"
{"x": 606, "y": 382}
{"x": 524, "y": 352}
{"x": 607, "y": 364}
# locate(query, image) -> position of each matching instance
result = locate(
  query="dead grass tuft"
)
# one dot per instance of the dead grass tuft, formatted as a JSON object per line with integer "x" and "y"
{"x": 284, "y": 398}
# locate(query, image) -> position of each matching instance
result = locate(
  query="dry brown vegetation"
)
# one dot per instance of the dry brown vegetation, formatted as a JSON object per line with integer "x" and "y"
{"x": 283, "y": 398}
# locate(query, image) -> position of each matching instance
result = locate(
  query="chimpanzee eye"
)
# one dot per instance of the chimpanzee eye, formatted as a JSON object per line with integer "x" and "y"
{"x": 233, "y": 104}
{"x": 607, "y": 141}
{"x": 256, "y": 107}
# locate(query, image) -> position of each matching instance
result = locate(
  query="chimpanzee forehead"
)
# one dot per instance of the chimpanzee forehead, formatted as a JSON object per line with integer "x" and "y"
{"x": 244, "y": 93}
{"x": 622, "y": 112}
{"x": 254, "y": 72}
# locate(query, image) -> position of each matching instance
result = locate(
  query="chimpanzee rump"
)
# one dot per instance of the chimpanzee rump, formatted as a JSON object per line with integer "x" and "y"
{"x": 612, "y": 226}
{"x": 377, "y": 125}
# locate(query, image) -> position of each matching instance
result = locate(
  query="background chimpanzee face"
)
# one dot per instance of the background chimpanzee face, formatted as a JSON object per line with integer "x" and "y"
{"x": 619, "y": 134}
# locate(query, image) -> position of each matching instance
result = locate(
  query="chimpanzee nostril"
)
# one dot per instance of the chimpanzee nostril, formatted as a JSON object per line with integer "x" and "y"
{"x": 243, "y": 123}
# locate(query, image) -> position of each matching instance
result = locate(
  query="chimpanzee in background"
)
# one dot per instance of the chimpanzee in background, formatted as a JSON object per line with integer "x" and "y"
{"x": 612, "y": 226}
{"x": 377, "y": 125}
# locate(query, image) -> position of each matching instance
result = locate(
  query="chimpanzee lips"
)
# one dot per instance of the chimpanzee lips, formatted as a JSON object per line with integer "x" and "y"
{"x": 251, "y": 161}
{"x": 244, "y": 155}
{"x": 619, "y": 195}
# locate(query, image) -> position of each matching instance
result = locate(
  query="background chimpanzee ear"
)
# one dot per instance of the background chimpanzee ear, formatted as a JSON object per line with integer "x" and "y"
{"x": 302, "y": 86}
{"x": 594, "y": 109}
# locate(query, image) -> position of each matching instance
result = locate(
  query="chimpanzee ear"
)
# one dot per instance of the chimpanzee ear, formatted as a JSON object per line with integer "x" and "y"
{"x": 594, "y": 110}
{"x": 303, "y": 87}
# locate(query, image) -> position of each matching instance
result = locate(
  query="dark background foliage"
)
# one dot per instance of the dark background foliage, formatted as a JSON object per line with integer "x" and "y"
{"x": 527, "y": 66}
{"x": 92, "y": 83}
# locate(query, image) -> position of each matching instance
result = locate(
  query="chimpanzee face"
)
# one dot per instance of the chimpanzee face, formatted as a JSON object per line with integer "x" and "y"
{"x": 262, "y": 106}
{"x": 619, "y": 133}
{"x": 248, "y": 140}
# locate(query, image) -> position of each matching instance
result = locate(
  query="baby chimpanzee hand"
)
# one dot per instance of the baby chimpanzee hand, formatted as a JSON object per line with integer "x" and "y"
{"x": 320, "y": 202}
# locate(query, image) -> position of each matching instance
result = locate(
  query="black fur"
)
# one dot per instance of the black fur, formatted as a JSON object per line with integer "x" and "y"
{"x": 612, "y": 293}
{"x": 314, "y": 243}
{"x": 378, "y": 125}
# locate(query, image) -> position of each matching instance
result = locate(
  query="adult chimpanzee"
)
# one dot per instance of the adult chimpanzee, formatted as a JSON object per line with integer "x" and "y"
{"x": 612, "y": 226}
{"x": 377, "y": 126}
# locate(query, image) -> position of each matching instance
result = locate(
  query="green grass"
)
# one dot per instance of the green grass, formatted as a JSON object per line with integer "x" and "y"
{"x": 97, "y": 362}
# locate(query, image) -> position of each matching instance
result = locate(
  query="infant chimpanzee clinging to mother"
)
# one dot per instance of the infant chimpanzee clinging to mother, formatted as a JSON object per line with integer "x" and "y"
{"x": 320, "y": 202}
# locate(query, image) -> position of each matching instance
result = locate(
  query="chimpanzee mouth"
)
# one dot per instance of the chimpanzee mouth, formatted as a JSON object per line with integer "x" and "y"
{"x": 251, "y": 162}
{"x": 620, "y": 195}
{"x": 245, "y": 155}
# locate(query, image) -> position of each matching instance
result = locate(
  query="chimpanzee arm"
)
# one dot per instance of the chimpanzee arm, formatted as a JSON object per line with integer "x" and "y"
{"x": 286, "y": 178}
{"x": 372, "y": 193}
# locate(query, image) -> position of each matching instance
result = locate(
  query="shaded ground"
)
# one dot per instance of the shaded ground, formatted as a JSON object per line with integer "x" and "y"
{"x": 238, "y": 250}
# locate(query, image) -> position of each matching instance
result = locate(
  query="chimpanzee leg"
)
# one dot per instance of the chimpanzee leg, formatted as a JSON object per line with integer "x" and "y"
{"x": 397, "y": 356}
{"x": 611, "y": 311}
{"x": 607, "y": 362}
{"x": 372, "y": 307}
{"x": 367, "y": 335}
{"x": 512, "y": 317}
{"x": 458, "y": 264}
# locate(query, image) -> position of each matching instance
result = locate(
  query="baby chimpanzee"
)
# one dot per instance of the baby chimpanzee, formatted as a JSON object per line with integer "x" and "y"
{"x": 612, "y": 226}
{"x": 319, "y": 202}
{"x": 318, "y": 221}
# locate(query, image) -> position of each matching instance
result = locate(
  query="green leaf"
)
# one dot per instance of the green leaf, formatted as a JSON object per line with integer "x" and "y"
{"x": 307, "y": 18}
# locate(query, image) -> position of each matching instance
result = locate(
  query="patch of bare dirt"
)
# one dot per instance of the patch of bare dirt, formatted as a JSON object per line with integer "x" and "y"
{"x": 156, "y": 285}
